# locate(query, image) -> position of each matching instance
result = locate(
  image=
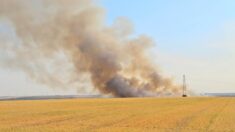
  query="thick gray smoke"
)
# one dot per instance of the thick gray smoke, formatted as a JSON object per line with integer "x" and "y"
{"x": 65, "y": 43}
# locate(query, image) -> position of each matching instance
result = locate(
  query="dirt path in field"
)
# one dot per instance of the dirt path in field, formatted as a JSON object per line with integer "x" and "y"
{"x": 220, "y": 109}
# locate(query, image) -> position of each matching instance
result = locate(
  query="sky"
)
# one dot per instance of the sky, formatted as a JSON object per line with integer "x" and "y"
{"x": 193, "y": 37}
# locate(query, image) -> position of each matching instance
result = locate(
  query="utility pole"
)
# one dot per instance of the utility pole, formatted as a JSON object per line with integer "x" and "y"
{"x": 184, "y": 87}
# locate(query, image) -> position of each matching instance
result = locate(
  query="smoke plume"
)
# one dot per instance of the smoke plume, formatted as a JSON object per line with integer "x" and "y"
{"x": 65, "y": 43}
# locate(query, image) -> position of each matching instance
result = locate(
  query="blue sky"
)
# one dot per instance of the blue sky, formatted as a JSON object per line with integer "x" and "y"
{"x": 173, "y": 24}
{"x": 193, "y": 37}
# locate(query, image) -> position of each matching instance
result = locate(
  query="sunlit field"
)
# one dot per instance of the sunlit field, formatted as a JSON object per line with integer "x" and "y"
{"x": 126, "y": 114}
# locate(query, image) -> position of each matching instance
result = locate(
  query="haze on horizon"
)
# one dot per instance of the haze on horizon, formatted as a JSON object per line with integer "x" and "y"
{"x": 195, "y": 38}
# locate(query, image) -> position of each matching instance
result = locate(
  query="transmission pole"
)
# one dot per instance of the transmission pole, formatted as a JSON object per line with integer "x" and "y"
{"x": 184, "y": 87}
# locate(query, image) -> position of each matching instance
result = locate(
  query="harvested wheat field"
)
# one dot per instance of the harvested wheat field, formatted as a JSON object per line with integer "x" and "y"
{"x": 119, "y": 114}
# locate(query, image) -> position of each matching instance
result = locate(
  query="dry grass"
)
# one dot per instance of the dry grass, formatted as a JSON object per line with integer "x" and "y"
{"x": 133, "y": 114}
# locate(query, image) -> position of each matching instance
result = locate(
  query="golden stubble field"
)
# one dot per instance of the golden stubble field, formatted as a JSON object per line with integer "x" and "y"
{"x": 125, "y": 114}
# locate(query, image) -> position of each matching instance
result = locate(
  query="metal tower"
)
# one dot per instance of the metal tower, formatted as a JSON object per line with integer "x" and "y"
{"x": 184, "y": 87}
